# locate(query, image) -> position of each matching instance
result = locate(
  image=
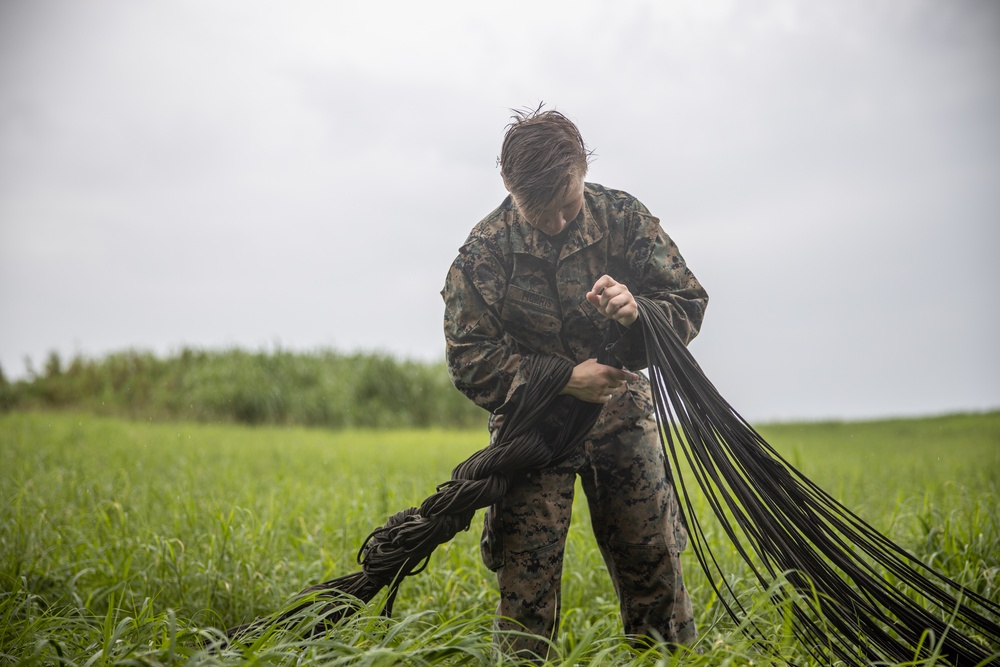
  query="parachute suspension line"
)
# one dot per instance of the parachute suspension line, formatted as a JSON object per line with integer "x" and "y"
{"x": 789, "y": 531}
{"x": 403, "y": 545}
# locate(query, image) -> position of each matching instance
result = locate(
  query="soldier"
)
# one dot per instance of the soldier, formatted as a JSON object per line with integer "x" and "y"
{"x": 552, "y": 271}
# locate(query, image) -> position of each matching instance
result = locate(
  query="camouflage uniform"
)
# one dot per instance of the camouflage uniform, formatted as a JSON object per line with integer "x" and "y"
{"x": 514, "y": 291}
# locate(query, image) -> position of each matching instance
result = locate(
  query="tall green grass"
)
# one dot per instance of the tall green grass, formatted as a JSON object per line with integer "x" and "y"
{"x": 131, "y": 542}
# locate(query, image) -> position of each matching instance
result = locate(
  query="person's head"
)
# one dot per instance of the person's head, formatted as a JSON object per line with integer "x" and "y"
{"x": 543, "y": 162}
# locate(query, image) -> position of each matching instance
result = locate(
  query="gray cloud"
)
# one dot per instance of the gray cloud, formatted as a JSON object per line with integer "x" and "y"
{"x": 216, "y": 174}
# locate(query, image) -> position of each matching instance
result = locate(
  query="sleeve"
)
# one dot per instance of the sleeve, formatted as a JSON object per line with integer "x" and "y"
{"x": 483, "y": 361}
{"x": 656, "y": 266}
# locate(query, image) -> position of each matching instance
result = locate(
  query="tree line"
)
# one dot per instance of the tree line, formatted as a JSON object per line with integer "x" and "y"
{"x": 323, "y": 389}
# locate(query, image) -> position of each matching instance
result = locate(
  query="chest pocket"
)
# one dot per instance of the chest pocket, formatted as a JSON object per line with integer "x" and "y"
{"x": 533, "y": 319}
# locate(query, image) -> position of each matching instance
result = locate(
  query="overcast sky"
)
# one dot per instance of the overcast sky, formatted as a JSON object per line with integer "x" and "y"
{"x": 216, "y": 174}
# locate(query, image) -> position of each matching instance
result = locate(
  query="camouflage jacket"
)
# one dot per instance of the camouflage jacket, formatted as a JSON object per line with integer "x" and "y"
{"x": 512, "y": 292}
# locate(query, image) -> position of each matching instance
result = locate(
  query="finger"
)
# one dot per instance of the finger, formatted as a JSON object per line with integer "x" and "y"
{"x": 620, "y": 292}
{"x": 626, "y": 376}
{"x": 623, "y": 309}
{"x": 616, "y": 303}
{"x": 603, "y": 283}
{"x": 607, "y": 297}
{"x": 617, "y": 293}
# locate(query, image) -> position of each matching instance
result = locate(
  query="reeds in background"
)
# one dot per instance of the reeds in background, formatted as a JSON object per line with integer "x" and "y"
{"x": 322, "y": 388}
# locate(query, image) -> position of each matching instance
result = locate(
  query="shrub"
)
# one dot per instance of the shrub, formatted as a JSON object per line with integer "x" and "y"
{"x": 323, "y": 388}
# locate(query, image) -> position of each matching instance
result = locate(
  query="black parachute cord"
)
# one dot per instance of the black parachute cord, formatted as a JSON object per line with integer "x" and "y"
{"x": 886, "y": 543}
{"x": 680, "y": 427}
{"x": 913, "y": 618}
{"x": 698, "y": 441}
{"x": 698, "y": 434}
{"x": 749, "y": 438}
{"x": 582, "y": 415}
{"x": 671, "y": 437}
{"x": 780, "y": 538}
{"x": 848, "y": 614}
{"x": 731, "y": 437}
{"x": 709, "y": 438}
{"x": 699, "y": 542}
{"x": 706, "y": 439}
{"x": 925, "y": 619}
{"x": 547, "y": 375}
{"x": 919, "y": 583}
{"x": 908, "y": 567}
{"x": 465, "y": 495}
{"x": 704, "y": 553}
{"x": 668, "y": 429}
{"x": 845, "y": 558}
{"x": 894, "y": 608}
{"x": 918, "y": 571}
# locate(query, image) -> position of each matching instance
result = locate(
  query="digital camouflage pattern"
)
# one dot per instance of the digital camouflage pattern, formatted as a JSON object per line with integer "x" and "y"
{"x": 514, "y": 291}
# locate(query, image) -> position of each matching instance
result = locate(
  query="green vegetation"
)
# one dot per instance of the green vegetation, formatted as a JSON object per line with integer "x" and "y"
{"x": 324, "y": 388}
{"x": 134, "y": 542}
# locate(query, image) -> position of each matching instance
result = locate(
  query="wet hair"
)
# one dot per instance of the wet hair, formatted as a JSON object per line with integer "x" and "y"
{"x": 542, "y": 155}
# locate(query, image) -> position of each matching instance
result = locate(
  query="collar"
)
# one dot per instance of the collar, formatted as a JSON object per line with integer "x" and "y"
{"x": 585, "y": 230}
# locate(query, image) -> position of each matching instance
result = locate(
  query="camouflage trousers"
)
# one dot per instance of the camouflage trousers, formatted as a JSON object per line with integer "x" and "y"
{"x": 636, "y": 520}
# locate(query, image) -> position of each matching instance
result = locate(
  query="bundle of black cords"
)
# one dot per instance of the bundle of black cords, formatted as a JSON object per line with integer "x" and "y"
{"x": 403, "y": 545}
{"x": 784, "y": 525}
{"x": 803, "y": 546}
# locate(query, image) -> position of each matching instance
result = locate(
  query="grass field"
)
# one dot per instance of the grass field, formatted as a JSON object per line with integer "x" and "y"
{"x": 134, "y": 543}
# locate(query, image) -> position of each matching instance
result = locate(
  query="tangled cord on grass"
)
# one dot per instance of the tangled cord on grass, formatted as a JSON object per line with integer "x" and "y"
{"x": 787, "y": 529}
{"x": 402, "y": 546}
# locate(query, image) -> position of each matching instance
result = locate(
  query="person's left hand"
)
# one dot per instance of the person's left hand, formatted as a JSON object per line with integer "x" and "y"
{"x": 613, "y": 300}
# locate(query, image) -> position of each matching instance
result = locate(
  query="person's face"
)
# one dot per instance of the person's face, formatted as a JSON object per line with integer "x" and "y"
{"x": 562, "y": 211}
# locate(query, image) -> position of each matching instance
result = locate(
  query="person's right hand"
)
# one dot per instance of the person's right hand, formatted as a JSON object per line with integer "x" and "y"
{"x": 594, "y": 382}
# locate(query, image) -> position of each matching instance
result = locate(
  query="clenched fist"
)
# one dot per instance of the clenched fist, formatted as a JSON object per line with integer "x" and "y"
{"x": 613, "y": 300}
